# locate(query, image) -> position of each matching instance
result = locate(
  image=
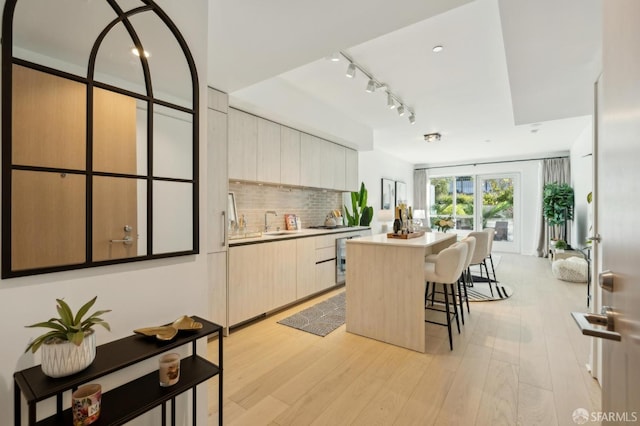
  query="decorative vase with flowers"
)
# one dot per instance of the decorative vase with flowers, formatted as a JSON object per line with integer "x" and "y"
{"x": 70, "y": 346}
{"x": 444, "y": 224}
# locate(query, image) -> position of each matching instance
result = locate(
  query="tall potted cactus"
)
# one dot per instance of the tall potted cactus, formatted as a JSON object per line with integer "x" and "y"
{"x": 362, "y": 214}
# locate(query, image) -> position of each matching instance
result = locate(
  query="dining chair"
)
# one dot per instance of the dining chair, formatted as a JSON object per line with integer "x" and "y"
{"x": 445, "y": 271}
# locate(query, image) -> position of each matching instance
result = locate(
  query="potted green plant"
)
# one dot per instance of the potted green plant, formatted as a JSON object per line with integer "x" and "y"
{"x": 70, "y": 346}
{"x": 362, "y": 214}
{"x": 558, "y": 202}
{"x": 561, "y": 246}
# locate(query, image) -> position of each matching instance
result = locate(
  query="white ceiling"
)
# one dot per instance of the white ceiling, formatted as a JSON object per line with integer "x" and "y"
{"x": 515, "y": 79}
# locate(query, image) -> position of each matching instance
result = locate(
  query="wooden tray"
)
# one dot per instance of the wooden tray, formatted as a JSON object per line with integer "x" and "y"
{"x": 405, "y": 236}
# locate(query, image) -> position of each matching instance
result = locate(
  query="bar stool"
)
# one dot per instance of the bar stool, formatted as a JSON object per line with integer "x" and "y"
{"x": 446, "y": 271}
{"x": 466, "y": 273}
{"x": 492, "y": 234}
{"x": 480, "y": 255}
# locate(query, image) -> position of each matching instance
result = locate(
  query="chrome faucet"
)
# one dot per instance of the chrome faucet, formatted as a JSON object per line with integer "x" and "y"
{"x": 266, "y": 224}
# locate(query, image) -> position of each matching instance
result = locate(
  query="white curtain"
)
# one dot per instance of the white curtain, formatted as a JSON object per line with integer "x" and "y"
{"x": 553, "y": 170}
{"x": 420, "y": 190}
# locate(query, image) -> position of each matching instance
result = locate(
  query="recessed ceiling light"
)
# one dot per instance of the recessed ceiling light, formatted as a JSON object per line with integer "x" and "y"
{"x": 438, "y": 49}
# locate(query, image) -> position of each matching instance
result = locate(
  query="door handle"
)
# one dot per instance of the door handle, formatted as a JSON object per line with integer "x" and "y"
{"x": 597, "y": 238}
{"x": 127, "y": 240}
{"x": 605, "y": 278}
{"x": 224, "y": 228}
{"x": 585, "y": 321}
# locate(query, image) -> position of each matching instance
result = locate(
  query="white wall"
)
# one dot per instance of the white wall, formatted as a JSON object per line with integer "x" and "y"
{"x": 582, "y": 183}
{"x": 529, "y": 194}
{"x": 139, "y": 294}
{"x": 372, "y": 167}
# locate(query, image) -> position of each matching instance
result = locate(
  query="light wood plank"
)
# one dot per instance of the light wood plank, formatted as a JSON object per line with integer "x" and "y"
{"x": 487, "y": 379}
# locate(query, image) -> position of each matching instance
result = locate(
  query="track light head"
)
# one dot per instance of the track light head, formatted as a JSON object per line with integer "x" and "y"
{"x": 390, "y": 102}
{"x": 351, "y": 70}
{"x": 401, "y": 110}
{"x": 371, "y": 86}
{"x": 412, "y": 118}
{"x": 334, "y": 57}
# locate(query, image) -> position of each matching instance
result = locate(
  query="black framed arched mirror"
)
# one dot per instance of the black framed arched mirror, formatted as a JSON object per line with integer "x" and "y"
{"x": 99, "y": 136}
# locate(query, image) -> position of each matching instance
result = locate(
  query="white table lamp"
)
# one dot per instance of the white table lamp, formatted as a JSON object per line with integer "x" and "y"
{"x": 385, "y": 216}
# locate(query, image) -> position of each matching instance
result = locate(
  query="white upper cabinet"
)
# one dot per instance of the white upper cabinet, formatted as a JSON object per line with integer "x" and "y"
{"x": 217, "y": 100}
{"x": 351, "y": 170}
{"x": 243, "y": 145}
{"x": 311, "y": 150}
{"x": 264, "y": 151}
{"x": 268, "y": 167}
{"x": 337, "y": 163}
{"x": 289, "y": 156}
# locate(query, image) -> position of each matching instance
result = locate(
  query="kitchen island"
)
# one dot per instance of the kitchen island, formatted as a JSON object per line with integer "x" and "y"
{"x": 385, "y": 287}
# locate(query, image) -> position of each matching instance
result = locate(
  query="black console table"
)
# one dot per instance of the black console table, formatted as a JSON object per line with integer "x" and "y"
{"x": 131, "y": 399}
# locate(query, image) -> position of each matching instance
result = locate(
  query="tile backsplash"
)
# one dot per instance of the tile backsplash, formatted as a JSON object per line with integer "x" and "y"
{"x": 310, "y": 205}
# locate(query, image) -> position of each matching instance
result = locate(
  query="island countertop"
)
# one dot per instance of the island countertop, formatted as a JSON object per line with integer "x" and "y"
{"x": 385, "y": 287}
{"x": 426, "y": 240}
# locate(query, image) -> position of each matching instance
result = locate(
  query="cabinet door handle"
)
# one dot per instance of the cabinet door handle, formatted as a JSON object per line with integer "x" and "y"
{"x": 224, "y": 228}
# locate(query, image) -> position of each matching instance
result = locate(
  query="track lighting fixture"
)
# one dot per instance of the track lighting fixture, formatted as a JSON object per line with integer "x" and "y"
{"x": 373, "y": 84}
{"x": 390, "y": 102}
{"x": 351, "y": 70}
{"x": 334, "y": 57}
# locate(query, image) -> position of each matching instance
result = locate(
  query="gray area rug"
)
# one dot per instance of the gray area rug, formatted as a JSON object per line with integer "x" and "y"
{"x": 321, "y": 318}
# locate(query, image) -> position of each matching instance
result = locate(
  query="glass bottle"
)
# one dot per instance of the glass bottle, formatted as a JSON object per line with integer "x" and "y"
{"x": 397, "y": 224}
{"x": 410, "y": 220}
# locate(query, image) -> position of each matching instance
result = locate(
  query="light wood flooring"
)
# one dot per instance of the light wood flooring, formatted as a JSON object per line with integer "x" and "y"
{"x": 519, "y": 361}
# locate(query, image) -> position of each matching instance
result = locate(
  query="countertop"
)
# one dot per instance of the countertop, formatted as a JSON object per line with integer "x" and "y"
{"x": 287, "y": 235}
{"x": 428, "y": 239}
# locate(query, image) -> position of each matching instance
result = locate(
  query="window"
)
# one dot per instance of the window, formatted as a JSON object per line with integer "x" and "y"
{"x": 453, "y": 197}
{"x": 490, "y": 204}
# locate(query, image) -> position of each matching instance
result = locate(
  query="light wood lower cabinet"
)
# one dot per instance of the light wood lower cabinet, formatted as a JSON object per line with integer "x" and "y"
{"x": 262, "y": 278}
{"x": 306, "y": 267}
{"x": 267, "y": 276}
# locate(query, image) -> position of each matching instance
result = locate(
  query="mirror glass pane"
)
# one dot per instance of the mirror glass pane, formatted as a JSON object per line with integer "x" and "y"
{"x": 120, "y": 148}
{"x": 48, "y": 120}
{"x": 59, "y": 34}
{"x": 172, "y": 143}
{"x": 172, "y": 217}
{"x": 117, "y": 64}
{"x": 48, "y": 219}
{"x": 170, "y": 74}
{"x": 127, "y": 5}
{"x": 118, "y": 204}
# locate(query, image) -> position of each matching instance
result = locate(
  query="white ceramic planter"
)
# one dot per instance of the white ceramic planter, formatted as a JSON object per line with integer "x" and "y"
{"x": 63, "y": 358}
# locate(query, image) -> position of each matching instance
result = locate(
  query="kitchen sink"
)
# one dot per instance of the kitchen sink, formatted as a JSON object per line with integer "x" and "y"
{"x": 277, "y": 233}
